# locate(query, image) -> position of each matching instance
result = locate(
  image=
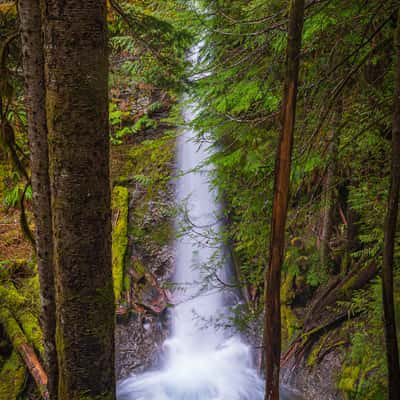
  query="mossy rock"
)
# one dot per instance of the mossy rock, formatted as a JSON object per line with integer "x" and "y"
{"x": 120, "y": 200}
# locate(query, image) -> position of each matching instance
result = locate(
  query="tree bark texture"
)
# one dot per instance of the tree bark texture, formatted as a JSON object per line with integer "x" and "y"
{"x": 329, "y": 197}
{"x": 392, "y": 351}
{"x": 33, "y": 64}
{"x": 77, "y": 114}
{"x": 272, "y": 328}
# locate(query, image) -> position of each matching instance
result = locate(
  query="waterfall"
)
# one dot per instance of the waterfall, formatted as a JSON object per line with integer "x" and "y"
{"x": 202, "y": 362}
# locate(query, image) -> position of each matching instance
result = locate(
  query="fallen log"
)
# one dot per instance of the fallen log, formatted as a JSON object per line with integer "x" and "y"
{"x": 17, "y": 305}
{"x": 338, "y": 290}
{"x": 319, "y": 320}
{"x": 299, "y": 346}
{"x": 21, "y": 344}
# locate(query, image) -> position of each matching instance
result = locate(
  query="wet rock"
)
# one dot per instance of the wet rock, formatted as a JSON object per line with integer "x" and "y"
{"x": 138, "y": 342}
{"x": 318, "y": 382}
{"x": 152, "y": 297}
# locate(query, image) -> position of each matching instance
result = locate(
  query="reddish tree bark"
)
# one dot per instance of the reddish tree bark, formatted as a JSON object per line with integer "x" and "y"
{"x": 272, "y": 328}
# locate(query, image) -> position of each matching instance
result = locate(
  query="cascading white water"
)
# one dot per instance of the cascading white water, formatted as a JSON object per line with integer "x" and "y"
{"x": 202, "y": 362}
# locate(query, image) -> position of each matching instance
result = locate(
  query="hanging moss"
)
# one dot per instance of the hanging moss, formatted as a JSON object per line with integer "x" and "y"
{"x": 120, "y": 197}
{"x": 12, "y": 377}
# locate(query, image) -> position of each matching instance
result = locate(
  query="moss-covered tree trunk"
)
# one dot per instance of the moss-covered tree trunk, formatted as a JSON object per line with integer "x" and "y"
{"x": 33, "y": 64}
{"x": 272, "y": 327}
{"x": 77, "y": 114}
{"x": 392, "y": 351}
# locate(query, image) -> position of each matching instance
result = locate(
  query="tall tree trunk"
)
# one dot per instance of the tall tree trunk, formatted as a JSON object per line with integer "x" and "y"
{"x": 33, "y": 64}
{"x": 77, "y": 114}
{"x": 272, "y": 328}
{"x": 329, "y": 197}
{"x": 392, "y": 352}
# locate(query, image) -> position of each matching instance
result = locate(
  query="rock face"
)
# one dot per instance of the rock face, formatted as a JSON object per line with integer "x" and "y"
{"x": 138, "y": 341}
{"x": 143, "y": 327}
{"x": 317, "y": 382}
{"x": 143, "y": 164}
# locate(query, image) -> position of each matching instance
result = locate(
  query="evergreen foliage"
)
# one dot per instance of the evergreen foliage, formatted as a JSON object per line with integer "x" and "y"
{"x": 345, "y": 97}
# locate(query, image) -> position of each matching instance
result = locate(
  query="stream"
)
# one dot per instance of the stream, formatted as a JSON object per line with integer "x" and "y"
{"x": 201, "y": 360}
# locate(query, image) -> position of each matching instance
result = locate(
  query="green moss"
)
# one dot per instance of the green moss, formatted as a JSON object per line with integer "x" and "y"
{"x": 12, "y": 328}
{"x": 162, "y": 233}
{"x": 10, "y": 296}
{"x": 31, "y": 328}
{"x": 152, "y": 159}
{"x": 287, "y": 292}
{"x": 349, "y": 379}
{"x": 18, "y": 308}
{"x": 12, "y": 377}
{"x": 312, "y": 358}
{"x": 120, "y": 197}
{"x": 145, "y": 167}
{"x": 290, "y": 324}
{"x": 139, "y": 269}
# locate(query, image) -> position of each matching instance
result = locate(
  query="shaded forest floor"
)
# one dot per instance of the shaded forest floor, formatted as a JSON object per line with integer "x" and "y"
{"x": 13, "y": 245}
